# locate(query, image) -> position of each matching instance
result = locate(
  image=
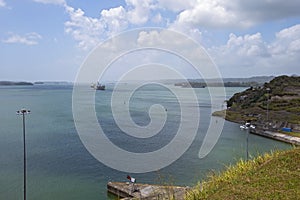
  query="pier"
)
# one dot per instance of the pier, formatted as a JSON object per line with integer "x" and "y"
{"x": 277, "y": 136}
{"x": 127, "y": 191}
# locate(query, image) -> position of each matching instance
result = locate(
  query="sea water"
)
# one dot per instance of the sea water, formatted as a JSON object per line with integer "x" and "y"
{"x": 60, "y": 167}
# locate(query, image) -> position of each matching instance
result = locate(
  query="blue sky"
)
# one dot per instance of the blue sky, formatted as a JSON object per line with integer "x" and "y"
{"x": 49, "y": 39}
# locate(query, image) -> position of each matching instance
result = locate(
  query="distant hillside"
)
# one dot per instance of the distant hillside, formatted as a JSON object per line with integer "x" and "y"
{"x": 276, "y": 102}
{"x": 257, "y": 79}
{"x": 53, "y": 83}
{"x": 7, "y": 83}
{"x": 227, "y": 82}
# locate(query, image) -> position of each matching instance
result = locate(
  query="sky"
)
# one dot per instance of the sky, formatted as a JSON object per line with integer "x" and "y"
{"x": 50, "y": 39}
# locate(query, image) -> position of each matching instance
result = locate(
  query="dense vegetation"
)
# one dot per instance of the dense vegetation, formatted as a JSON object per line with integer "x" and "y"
{"x": 277, "y": 102}
{"x": 272, "y": 176}
{"x": 7, "y": 83}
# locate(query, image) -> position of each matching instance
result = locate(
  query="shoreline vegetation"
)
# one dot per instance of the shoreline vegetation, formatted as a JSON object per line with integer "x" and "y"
{"x": 274, "y": 106}
{"x": 12, "y": 83}
{"x": 275, "y": 175}
{"x": 25, "y": 83}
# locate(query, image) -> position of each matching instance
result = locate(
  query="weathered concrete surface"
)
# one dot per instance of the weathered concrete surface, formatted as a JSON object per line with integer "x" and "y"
{"x": 128, "y": 191}
{"x": 277, "y": 136}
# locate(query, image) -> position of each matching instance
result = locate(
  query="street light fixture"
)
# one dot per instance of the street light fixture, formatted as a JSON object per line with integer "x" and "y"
{"x": 23, "y": 112}
{"x": 268, "y": 90}
{"x": 247, "y": 126}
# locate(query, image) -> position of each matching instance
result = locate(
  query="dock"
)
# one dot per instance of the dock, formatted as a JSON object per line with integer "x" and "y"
{"x": 128, "y": 191}
{"x": 277, "y": 136}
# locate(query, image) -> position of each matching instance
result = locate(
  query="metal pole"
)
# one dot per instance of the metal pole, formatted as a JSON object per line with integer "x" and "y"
{"x": 24, "y": 150}
{"x": 268, "y": 109}
{"x": 247, "y": 146}
{"x": 23, "y": 112}
{"x": 268, "y": 96}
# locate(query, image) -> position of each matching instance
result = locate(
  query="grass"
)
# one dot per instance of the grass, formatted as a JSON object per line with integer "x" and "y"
{"x": 237, "y": 117}
{"x": 271, "y": 176}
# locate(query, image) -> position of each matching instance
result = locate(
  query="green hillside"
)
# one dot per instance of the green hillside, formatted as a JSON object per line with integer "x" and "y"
{"x": 272, "y": 176}
{"x": 276, "y": 104}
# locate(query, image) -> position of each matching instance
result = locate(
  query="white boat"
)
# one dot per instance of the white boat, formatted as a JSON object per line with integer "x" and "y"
{"x": 246, "y": 126}
{"x": 243, "y": 127}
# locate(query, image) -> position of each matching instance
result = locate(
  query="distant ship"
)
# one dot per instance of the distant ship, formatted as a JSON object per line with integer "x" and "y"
{"x": 98, "y": 86}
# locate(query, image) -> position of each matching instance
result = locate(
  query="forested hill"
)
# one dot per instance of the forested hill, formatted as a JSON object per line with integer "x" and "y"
{"x": 276, "y": 102}
{"x": 14, "y": 83}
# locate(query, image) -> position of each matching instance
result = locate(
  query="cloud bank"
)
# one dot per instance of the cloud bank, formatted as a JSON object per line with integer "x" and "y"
{"x": 196, "y": 18}
{"x": 190, "y": 17}
{"x": 250, "y": 53}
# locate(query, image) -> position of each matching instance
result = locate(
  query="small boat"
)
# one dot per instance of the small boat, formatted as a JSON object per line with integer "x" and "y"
{"x": 243, "y": 127}
{"x": 247, "y": 126}
{"x": 98, "y": 86}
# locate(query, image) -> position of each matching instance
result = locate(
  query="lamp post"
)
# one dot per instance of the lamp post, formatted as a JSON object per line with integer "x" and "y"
{"x": 247, "y": 126}
{"x": 268, "y": 90}
{"x": 23, "y": 112}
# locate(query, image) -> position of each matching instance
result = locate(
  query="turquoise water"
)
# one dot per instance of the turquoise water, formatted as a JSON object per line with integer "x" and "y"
{"x": 59, "y": 166}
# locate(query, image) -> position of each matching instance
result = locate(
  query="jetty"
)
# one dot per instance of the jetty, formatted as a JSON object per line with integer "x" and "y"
{"x": 128, "y": 191}
{"x": 277, "y": 136}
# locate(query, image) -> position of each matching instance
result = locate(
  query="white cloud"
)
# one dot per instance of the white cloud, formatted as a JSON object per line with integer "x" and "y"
{"x": 250, "y": 54}
{"x": 90, "y": 31}
{"x": 210, "y": 14}
{"x": 192, "y": 17}
{"x": 157, "y": 18}
{"x": 177, "y": 51}
{"x": 287, "y": 41}
{"x": 114, "y": 19}
{"x": 248, "y": 45}
{"x": 2, "y": 3}
{"x": 235, "y": 13}
{"x": 150, "y": 38}
{"x": 190, "y": 31}
{"x": 241, "y": 50}
{"x": 139, "y": 10}
{"x": 171, "y": 40}
{"x": 176, "y": 5}
{"x": 56, "y": 2}
{"x": 86, "y": 30}
{"x": 164, "y": 37}
{"x": 27, "y": 39}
